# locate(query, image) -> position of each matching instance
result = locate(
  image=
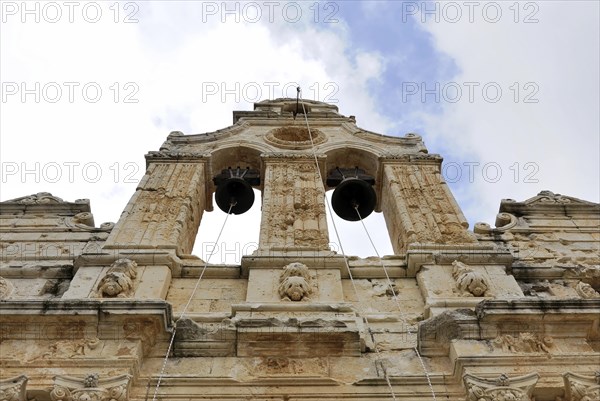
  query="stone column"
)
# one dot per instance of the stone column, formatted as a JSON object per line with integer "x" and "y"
{"x": 293, "y": 207}
{"x": 418, "y": 205}
{"x": 165, "y": 211}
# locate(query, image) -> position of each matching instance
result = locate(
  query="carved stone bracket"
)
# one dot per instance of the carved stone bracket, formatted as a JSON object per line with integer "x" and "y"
{"x": 582, "y": 388}
{"x": 13, "y": 389}
{"x": 91, "y": 388}
{"x": 85, "y": 222}
{"x": 119, "y": 280}
{"x": 295, "y": 282}
{"x": 501, "y": 389}
{"x": 504, "y": 222}
{"x": 469, "y": 283}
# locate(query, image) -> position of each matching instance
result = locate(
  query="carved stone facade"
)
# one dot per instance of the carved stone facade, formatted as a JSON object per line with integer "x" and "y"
{"x": 494, "y": 314}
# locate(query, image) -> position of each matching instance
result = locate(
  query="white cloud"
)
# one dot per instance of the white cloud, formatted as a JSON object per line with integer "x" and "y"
{"x": 168, "y": 63}
{"x": 559, "y": 135}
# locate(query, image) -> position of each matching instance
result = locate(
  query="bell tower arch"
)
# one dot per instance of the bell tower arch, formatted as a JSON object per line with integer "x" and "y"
{"x": 166, "y": 209}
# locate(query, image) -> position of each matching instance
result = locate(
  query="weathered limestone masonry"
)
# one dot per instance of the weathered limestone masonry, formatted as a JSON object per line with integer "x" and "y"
{"x": 497, "y": 314}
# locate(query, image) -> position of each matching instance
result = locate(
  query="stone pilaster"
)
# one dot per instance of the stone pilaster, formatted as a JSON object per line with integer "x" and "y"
{"x": 293, "y": 212}
{"x": 165, "y": 211}
{"x": 418, "y": 205}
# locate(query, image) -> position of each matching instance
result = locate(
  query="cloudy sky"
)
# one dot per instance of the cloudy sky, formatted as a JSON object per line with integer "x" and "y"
{"x": 507, "y": 92}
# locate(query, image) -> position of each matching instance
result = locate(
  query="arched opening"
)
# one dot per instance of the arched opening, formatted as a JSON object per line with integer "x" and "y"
{"x": 241, "y": 231}
{"x": 353, "y": 236}
{"x": 239, "y": 237}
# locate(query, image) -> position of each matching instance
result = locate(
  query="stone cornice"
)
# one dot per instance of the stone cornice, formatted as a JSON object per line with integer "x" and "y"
{"x": 87, "y": 307}
{"x": 558, "y": 307}
{"x": 411, "y": 158}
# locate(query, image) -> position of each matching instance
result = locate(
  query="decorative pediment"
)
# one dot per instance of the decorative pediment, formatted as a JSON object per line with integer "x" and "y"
{"x": 44, "y": 202}
{"x": 582, "y": 388}
{"x": 37, "y": 199}
{"x": 502, "y": 388}
{"x": 548, "y": 201}
{"x": 548, "y": 197}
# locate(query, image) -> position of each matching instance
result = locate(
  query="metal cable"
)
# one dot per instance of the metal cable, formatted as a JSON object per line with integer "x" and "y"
{"x": 390, "y": 284}
{"x": 166, "y": 359}
{"x": 358, "y": 297}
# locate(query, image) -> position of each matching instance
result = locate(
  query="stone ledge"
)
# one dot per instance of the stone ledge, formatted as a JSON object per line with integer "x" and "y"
{"x": 87, "y": 307}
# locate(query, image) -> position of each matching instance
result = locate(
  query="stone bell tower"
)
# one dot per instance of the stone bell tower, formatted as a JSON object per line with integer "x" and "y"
{"x": 125, "y": 312}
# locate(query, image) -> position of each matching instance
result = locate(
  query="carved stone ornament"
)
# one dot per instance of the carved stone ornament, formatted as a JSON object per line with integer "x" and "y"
{"x": 551, "y": 197}
{"x": 501, "y": 389}
{"x": 294, "y": 283}
{"x": 525, "y": 343}
{"x": 85, "y": 221}
{"x": 6, "y": 288}
{"x": 39, "y": 198}
{"x": 166, "y": 155}
{"x": 587, "y": 274}
{"x": 292, "y": 137}
{"x": 586, "y": 291}
{"x": 118, "y": 281}
{"x": 469, "y": 282}
{"x": 90, "y": 388}
{"x": 13, "y": 389}
{"x": 582, "y": 388}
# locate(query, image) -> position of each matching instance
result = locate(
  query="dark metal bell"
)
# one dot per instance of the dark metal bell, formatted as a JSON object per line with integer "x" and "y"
{"x": 236, "y": 191}
{"x": 350, "y": 193}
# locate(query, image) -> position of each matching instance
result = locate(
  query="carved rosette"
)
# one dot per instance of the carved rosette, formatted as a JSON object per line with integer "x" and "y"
{"x": 292, "y": 137}
{"x": 582, "y": 388}
{"x": 501, "y": 389}
{"x": 13, "y": 389}
{"x": 295, "y": 283}
{"x": 469, "y": 283}
{"x": 90, "y": 388}
{"x": 6, "y": 288}
{"x": 119, "y": 280}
